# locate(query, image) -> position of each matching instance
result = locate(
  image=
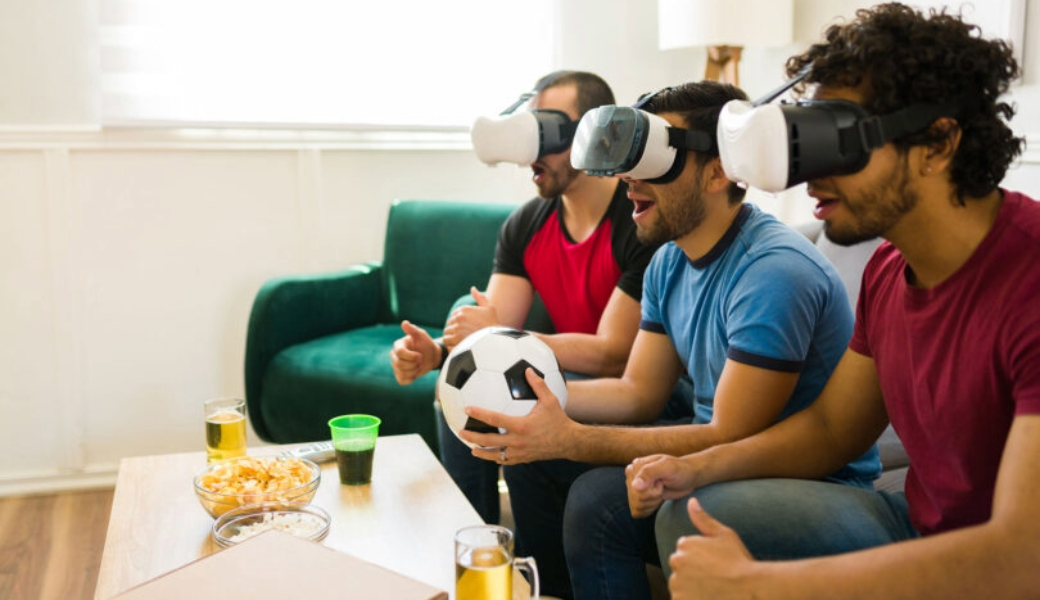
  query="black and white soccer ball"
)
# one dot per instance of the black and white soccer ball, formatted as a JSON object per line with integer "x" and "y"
{"x": 486, "y": 369}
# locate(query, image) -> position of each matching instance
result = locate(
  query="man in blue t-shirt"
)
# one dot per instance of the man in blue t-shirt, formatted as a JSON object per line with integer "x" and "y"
{"x": 744, "y": 304}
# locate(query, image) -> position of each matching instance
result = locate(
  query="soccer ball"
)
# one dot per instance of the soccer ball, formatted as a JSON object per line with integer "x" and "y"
{"x": 487, "y": 370}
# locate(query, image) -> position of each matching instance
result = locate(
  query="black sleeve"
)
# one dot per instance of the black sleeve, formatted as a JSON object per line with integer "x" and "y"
{"x": 632, "y": 256}
{"x": 516, "y": 233}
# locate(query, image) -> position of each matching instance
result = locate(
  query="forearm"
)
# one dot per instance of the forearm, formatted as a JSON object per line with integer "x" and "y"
{"x": 985, "y": 561}
{"x": 613, "y": 401}
{"x": 620, "y": 445}
{"x": 799, "y": 447}
{"x": 587, "y": 354}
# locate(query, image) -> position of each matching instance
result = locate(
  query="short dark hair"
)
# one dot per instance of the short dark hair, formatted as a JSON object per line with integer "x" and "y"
{"x": 593, "y": 91}
{"x": 906, "y": 57}
{"x": 699, "y": 104}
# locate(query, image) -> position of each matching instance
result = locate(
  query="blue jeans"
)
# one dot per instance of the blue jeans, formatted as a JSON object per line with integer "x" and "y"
{"x": 541, "y": 495}
{"x": 783, "y": 519}
{"x": 477, "y": 478}
{"x": 607, "y": 549}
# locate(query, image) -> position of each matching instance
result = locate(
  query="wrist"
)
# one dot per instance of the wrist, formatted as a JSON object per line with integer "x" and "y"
{"x": 443, "y": 355}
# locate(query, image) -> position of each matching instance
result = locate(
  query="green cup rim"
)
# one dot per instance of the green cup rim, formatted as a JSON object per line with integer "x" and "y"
{"x": 373, "y": 422}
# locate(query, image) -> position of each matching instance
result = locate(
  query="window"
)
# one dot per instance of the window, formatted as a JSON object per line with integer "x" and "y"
{"x": 326, "y": 63}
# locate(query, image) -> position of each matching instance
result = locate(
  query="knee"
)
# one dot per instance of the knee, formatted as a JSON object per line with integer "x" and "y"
{"x": 593, "y": 506}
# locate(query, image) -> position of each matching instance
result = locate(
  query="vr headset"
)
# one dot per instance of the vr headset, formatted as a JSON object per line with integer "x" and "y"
{"x": 522, "y": 137}
{"x": 630, "y": 142}
{"x": 776, "y": 146}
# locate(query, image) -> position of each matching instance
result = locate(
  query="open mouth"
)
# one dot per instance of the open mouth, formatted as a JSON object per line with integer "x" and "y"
{"x": 538, "y": 173}
{"x": 642, "y": 206}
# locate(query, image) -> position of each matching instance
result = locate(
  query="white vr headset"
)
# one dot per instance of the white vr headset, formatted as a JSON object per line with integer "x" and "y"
{"x": 776, "y": 146}
{"x": 630, "y": 142}
{"x": 522, "y": 137}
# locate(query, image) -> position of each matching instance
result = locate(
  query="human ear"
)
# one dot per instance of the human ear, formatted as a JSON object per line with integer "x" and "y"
{"x": 938, "y": 155}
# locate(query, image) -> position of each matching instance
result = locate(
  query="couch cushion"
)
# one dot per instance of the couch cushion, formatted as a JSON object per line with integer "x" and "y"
{"x": 341, "y": 374}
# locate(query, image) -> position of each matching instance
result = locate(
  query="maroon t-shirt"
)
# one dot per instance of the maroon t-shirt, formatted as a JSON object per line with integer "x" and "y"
{"x": 957, "y": 363}
{"x": 575, "y": 280}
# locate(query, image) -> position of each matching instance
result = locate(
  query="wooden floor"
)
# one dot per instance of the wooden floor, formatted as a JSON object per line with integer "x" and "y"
{"x": 50, "y": 546}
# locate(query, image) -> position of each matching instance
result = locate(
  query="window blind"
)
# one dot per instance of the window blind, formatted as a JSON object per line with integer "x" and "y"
{"x": 325, "y": 63}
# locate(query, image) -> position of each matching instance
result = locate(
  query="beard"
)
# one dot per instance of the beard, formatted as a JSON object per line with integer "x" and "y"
{"x": 875, "y": 212}
{"x": 675, "y": 217}
{"x": 555, "y": 182}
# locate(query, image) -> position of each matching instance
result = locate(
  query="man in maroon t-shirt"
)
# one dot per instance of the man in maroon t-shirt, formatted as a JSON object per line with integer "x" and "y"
{"x": 946, "y": 347}
{"x": 575, "y": 245}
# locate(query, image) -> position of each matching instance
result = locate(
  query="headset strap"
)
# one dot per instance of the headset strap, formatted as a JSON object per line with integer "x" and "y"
{"x": 543, "y": 83}
{"x": 875, "y": 131}
{"x": 690, "y": 139}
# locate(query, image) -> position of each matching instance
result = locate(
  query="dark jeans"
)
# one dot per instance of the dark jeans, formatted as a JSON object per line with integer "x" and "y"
{"x": 541, "y": 495}
{"x": 478, "y": 479}
{"x": 607, "y": 549}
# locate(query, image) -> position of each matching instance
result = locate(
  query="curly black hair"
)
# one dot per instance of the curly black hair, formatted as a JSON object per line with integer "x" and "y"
{"x": 905, "y": 57}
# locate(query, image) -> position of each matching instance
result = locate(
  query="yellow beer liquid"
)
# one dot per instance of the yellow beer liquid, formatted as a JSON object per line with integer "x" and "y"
{"x": 225, "y": 435}
{"x": 484, "y": 574}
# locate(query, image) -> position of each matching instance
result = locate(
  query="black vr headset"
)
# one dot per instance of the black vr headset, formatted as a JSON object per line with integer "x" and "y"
{"x": 522, "y": 137}
{"x": 631, "y": 142}
{"x": 777, "y": 146}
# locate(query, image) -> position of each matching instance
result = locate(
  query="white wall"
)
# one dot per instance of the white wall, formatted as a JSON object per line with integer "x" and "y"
{"x": 129, "y": 259}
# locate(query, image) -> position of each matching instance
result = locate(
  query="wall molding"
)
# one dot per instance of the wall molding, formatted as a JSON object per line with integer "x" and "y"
{"x": 51, "y": 483}
{"x": 1031, "y": 155}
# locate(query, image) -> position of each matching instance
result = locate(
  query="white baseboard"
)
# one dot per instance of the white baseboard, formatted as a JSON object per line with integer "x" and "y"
{"x": 104, "y": 477}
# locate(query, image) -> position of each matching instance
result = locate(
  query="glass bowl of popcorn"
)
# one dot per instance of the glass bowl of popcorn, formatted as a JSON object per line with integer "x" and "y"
{"x": 229, "y": 484}
{"x": 302, "y": 520}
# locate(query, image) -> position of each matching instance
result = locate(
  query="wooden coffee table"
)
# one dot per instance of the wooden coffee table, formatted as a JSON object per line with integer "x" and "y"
{"x": 405, "y": 520}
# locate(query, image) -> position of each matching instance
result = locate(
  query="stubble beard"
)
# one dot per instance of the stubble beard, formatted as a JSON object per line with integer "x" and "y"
{"x": 674, "y": 218}
{"x": 556, "y": 182}
{"x": 872, "y": 216}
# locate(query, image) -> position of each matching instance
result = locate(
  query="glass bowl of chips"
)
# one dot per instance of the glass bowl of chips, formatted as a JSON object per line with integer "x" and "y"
{"x": 302, "y": 520}
{"x": 229, "y": 484}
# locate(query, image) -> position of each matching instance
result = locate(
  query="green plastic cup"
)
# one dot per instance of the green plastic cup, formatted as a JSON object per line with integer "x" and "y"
{"x": 354, "y": 438}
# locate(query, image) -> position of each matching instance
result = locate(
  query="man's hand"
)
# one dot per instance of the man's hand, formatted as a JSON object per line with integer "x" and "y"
{"x": 414, "y": 355}
{"x": 540, "y": 435}
{"x": 712, "y": 566}
{"x": 653, "y": 479}
{"x": 465, "y": 320}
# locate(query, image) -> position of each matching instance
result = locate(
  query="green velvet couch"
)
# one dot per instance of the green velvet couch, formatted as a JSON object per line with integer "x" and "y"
{"x": 318, "y": 345}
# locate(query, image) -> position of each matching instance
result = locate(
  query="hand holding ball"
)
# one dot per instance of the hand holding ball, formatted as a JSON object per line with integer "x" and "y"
{"x": 487, "y": 370}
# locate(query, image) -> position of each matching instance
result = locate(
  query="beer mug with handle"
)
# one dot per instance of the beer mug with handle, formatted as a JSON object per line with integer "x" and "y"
{"x": 484, "y": 564}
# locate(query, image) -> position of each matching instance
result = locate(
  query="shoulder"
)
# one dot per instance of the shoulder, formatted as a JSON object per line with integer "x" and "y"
{"x": 768, "y": 243}
{"x": 531, "y": 215}
{"x": 1022, "y": 213}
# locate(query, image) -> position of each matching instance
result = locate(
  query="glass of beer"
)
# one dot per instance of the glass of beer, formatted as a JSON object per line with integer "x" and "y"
{"x": 484, "y": 564}
{"x": 225, "y": 428}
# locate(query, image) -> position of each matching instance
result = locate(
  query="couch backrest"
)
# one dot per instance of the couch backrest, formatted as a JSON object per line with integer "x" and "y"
{"x": 434, "y": 251}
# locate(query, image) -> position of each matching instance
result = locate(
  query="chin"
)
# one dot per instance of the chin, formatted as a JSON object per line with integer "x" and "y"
{"x": 845, "y": 237}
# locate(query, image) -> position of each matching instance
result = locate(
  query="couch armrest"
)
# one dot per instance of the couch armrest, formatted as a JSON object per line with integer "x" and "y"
{"x": 295, "y": 309}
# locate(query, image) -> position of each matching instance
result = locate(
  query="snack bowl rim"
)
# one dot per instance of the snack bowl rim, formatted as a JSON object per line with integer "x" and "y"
{"x": 235, "y": 516}
{"x": 302, "y": 493}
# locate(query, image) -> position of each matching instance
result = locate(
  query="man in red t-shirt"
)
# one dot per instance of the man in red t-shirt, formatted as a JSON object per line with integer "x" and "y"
{"x": 575, "y": 245}
{"x": 946, "y": 347}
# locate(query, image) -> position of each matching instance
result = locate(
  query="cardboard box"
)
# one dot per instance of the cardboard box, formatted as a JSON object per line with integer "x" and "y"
{"x": 276, "y": 566}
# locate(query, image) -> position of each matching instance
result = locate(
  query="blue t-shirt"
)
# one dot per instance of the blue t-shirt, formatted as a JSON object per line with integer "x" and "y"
{"x": 763, "y": 296}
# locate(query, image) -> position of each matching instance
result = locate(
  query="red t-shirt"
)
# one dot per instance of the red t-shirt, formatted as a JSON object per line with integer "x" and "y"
{"x": 574, "y": 279}
{"x": 957, "y": 363}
